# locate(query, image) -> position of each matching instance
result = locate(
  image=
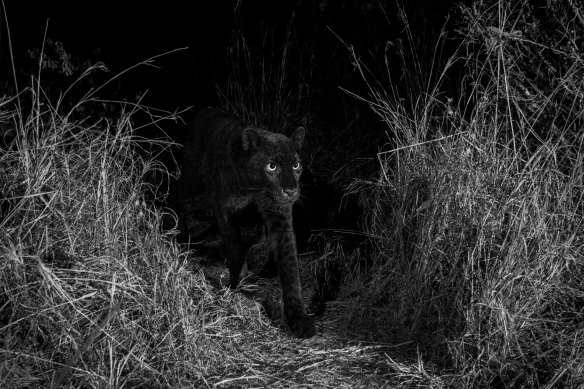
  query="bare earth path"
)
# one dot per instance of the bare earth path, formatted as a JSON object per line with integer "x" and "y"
{"x": 334, "y": 358}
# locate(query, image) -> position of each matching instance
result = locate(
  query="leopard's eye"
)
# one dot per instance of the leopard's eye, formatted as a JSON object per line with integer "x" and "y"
{"x": 271, "y": 167}
{"x": 296, "y": 165}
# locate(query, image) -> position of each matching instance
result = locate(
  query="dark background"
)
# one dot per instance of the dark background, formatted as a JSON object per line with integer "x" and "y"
{"x": 122, "y": 33}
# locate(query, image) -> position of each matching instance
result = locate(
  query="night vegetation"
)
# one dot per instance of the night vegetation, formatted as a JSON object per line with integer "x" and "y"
{"x": 462, "y": 157}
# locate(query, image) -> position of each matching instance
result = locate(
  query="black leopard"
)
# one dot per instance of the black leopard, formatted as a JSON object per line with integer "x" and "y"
{"x": 246, "y": 167}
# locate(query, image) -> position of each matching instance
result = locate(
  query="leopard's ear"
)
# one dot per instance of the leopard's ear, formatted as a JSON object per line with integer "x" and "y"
{"x": 297, "y": 137}
{"x": 250, "y": 138}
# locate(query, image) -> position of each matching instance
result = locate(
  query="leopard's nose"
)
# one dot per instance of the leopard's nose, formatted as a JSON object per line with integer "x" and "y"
{"x": 290, "y": 192}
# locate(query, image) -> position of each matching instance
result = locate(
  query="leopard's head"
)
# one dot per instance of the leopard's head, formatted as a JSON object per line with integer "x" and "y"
{"x": 274, "y": 165}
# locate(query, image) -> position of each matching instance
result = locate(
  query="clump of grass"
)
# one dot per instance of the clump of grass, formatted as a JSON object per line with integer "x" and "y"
{"x": 477, "y": 213}
{"x": 263, "y": 88}
{"x": 92, "y": 292}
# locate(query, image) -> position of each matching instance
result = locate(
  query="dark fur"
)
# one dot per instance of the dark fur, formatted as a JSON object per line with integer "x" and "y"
{"x": 232, "y": 160}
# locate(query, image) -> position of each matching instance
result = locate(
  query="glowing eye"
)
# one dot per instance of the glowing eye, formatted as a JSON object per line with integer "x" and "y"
{"x": 296, "y": 165}
{"x": 271, "y": 167}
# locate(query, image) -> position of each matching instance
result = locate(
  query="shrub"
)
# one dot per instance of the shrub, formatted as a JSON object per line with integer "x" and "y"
{"x": 476, "y": 215}
{"x": 92, "y": 291}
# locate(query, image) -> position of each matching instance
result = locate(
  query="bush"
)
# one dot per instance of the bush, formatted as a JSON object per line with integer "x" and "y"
{"x": 92, "y": 291}
{"x": 476, "y": 215}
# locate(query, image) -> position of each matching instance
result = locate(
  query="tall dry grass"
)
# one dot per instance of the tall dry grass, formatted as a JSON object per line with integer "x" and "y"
{"x": 263, "y": 87}
{"x": 92, "y": 292}
{"x": 477, "y": 212}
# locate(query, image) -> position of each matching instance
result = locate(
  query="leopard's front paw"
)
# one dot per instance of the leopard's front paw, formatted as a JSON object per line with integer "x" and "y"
{"x": 302, "y": 326}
